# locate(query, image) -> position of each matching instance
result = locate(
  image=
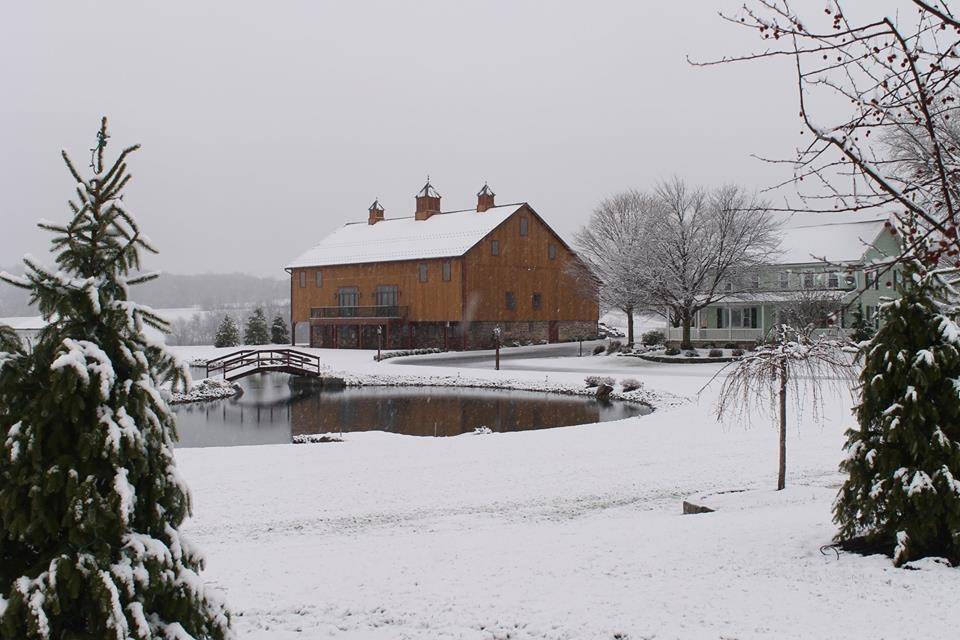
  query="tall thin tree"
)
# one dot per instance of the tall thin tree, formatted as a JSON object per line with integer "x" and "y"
{"x": 90, "y": 499}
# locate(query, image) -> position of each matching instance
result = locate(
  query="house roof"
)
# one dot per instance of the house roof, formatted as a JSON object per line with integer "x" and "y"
{"x": 442, "y": 235}
{"x": 834, "y": 241}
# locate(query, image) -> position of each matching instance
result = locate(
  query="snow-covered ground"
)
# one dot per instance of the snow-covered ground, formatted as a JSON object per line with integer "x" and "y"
{"x": 574, "y": 532}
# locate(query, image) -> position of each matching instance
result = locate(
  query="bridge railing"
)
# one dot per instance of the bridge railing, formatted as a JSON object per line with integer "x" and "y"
{"x": 264, "y": 359}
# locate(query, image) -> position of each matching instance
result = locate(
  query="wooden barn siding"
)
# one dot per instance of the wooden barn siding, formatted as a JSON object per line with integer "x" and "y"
{"x": 523, "y": 267}
{"x": 433, "y": 301}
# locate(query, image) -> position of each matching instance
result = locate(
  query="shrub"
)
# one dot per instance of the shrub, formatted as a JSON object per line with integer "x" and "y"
{"x": 597, "y": 350}
{"x": 671, "y": 351}
{"x": 613, "y": 346}
{"x": 653, "y": 337}
{"x": 690, "y": 354}
{"x": 716, "y": 353}
{"x": 596, "y": 381}
{"x": 737, "y": 353}
{"x": 730, "y": 345}
{"x": 630, "y": 384}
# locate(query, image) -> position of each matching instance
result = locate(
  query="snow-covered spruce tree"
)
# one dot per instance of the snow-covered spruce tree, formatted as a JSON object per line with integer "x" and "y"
{"x": 278, "y": 331}
{"x": 90, "y": 498}
{"x": 257, "y": 331}
{"x": 903, "y": 491}
{"x": 228, "y": 334}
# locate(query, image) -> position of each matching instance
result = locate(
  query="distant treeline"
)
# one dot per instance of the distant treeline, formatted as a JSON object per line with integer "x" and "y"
{"x": 207, "y": 291}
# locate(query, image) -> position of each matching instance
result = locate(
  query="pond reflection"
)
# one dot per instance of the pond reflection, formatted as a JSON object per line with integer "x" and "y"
{"x": 272, "y": 410}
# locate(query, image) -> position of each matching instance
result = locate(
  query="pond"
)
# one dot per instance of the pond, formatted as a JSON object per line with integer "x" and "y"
{"x": 272, "y": 411}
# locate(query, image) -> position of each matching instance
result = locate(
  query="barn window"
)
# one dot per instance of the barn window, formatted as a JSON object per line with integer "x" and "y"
{"x": 303, "y": 279}
{"x": 388, "y": 295}
{"x": 318, "y": 276}
{"x": 511, "y": 301}
{"x": 524, "y": 225}
{"x": 446, "y": 271}
{"x": 494, "y": 247}
{"x": 423, "y": 271}
{"x": 537, "y": 300}
{"x": 348, "y": 299}
{"x": 552, "y": 251}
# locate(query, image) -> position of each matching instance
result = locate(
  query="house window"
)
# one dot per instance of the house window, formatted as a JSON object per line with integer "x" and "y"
{"x": 348, "y": 299}
{"x": 722, "y": 318}
{"x": 494, "y": 247}
{"x": 727, "y": 285}
{"x": 552, "y": 251}
{"x": 537, "y": 300}
{"x": 755, "y": 280}
{"x": 524, "y": 225}
{"x": 833, "y": 280}
{"x": 511, "y": 301}
{"x": 387, "y": 295}
{"x": 318, "y": 278}
{"x": 851, "y": 280}
{"x": 303, "y": 279}
{"x": 445, "y": 271}
{"x": 872, "y": 279}
{"x": 808, "y": 280}
{"x": 784, "y": 279}
{"x": 422, "y": 271}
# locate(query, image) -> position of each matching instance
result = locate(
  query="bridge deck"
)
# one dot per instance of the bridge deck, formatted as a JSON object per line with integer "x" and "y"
{"x": 240, "y": 364}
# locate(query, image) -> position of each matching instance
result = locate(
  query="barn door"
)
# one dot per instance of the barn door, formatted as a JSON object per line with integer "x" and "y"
{"x": 554, "y": 331}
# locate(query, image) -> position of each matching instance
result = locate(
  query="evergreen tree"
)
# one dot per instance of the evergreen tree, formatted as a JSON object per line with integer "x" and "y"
{"x": 278, "y": 331}
{"x": 862, "y": 330}
{"x": 257, "y": 331}
{"x": 902, "y": 495}
{"x": 228, "y": 334}
{"x": 90, "y": 500}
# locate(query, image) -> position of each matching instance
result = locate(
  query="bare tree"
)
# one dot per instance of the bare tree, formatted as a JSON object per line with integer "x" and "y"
{"x": 696, "y": 242}
{"x": 610, "y": 248}
{"x": 791, "y": 364}
{"x": 895, "y": 148}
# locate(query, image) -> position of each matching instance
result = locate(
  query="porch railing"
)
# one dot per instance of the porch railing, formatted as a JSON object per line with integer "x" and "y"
{"x": 375, "y": 311}
{"x": 735, "y": 334}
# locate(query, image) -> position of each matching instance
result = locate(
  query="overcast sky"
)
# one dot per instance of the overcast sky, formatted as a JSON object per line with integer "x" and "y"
{"x": 267, "y": 124}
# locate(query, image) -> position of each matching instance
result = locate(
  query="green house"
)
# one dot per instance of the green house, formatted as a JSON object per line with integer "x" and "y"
{"x": 830, "y": 267}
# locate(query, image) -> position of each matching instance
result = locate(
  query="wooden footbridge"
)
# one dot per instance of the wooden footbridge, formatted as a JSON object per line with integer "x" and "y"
{"x": 240, "y": 364}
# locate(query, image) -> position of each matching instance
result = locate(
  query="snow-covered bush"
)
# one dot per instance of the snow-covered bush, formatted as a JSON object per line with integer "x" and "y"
{"x": 597, "y": 350}
{"x": 614, "y": 346}
{"x": 407, "y": 352}
{"x": 736, "y": 353}
{"x": 671, "y": 351}
{"x": 90, "y": 498}
{"x": 715, "y": 353}
{"x": 653, "y": 337}
{"x": 690, "y": 354}
{"x": 630, "y": 384}
{"x": 595, "y": 381}
{"x": 316, "y": 438}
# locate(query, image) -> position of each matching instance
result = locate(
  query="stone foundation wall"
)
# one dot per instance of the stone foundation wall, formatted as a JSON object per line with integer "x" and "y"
{"x": 575, "y": 329}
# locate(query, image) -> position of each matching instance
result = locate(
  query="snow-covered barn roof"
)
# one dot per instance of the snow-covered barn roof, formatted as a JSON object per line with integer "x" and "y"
{"x": 442, "y": 235}
{"x": 834, "y": 241}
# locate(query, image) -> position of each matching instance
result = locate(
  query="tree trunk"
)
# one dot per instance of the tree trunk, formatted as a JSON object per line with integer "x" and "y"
{"x": 686, "y": 319}
{"x": 629, "y": 312}
{"x": 782, "y": 474}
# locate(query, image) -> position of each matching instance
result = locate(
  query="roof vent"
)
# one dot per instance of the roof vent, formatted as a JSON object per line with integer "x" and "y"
{"x": 376, "y": 212}
{"x": 485, "y": 198}
{"x": 428, "y": 201}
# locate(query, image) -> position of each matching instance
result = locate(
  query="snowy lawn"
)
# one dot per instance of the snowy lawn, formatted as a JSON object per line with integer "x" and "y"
{"x": 573, "y": 532}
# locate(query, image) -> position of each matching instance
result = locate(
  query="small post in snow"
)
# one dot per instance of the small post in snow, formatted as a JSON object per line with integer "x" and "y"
{"x": 581, "y": 345}
{"x": 379, "y": 341}
{"x": 496, "y": 344}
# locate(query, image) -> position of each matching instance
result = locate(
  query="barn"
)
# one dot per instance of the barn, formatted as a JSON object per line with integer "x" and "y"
{"x": 442, "y": 279}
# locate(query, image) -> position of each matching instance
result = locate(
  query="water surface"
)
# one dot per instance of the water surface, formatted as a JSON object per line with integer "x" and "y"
{"x": 272, "y": 411}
